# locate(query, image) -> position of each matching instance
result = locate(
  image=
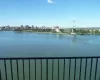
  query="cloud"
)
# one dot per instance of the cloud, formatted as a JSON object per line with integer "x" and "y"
{"x": 50, "y": 1}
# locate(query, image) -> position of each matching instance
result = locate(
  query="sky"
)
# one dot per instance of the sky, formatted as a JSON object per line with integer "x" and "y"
{"x": 63, "y": 13}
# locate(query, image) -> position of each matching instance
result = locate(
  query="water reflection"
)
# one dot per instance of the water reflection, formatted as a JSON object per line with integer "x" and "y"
{"x": 60, "y": 36}
{"x": 77, "y": 39}
{"x": 74, "y": 39}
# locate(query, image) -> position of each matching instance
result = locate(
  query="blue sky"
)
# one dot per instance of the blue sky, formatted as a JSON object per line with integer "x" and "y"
{"x": 86, "y": 13}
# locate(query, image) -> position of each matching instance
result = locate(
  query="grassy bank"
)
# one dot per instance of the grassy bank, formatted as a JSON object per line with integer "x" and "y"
{"x": 45, "y": 32}
{"x": 60, "y": 33}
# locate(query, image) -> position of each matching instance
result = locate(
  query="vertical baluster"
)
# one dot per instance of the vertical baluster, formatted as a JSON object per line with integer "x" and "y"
{"x": 80, "y": 69}
{"x": 96, "y": 68}
{"x": 41, "y": 69}
{"x": 11, "y": 69}
{"x": 64, "y": 71}
{"x": 17, "y": 70}
{"x": 69, "y": 67}
{"x": 0, "y": 75}
{"x": 5, "y": 69}
{"x": 35, "y": 69}
{"x": 90, "y": 69}
{"x": 75, "y": 70}
{"x": 23, "y": 70}
{"x": 47, "y": 69}
{"x": 58, "y": 69}
{"x": 52, "y": 68}
{"x": 85, "y": 69}
{"x": 29, "y": 70}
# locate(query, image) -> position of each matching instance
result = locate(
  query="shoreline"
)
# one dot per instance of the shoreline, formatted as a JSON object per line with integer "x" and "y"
{"x": 59, "y": 33}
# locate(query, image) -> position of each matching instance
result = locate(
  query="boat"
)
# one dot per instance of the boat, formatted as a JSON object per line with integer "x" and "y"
{"x": 73, "y": 33}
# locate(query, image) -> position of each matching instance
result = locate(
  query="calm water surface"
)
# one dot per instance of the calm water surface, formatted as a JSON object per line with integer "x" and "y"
{"x": 15, "y": 44}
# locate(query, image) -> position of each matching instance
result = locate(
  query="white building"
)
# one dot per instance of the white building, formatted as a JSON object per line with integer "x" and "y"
{"x": 57, "y": 30}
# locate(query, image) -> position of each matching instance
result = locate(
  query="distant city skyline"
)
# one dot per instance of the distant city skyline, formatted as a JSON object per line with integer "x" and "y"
{"x": 62, "y": 13}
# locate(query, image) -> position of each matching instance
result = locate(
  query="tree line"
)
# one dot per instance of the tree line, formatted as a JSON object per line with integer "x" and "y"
{"x": 49, "y": 29}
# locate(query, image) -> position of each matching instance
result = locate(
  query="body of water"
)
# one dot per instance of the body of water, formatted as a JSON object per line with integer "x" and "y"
{"x": 18, "y": 44}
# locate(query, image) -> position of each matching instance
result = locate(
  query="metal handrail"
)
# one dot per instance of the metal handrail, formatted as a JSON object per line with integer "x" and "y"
{"x": 14, "y": 58}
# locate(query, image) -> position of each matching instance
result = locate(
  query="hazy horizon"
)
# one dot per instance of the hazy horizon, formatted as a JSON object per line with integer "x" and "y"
{"x": 50, "y": 13}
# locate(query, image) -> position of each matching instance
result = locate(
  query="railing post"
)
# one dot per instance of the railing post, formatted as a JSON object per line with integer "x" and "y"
{"x": 0, "y": 75}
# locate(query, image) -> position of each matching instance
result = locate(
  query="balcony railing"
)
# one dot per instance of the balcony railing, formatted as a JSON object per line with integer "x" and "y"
{"x": 50, "y": 68}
